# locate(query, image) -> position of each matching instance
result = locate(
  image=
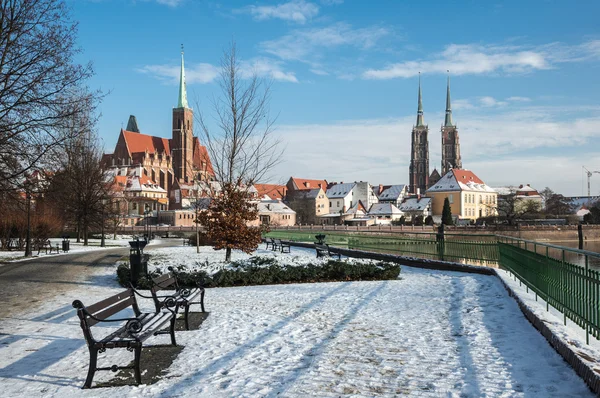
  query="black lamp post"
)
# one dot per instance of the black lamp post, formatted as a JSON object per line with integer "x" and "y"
{"x": 102, "y": 243}
{"x": 28, "y": 252}
{"x": 146, "y": 212}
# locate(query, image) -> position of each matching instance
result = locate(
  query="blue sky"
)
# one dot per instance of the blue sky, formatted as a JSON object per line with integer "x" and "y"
{"x": 524, "y": 77}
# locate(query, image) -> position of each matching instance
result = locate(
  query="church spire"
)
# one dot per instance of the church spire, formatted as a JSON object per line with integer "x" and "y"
{"x": 182, "y": 100}
{"x": 448, "y": 121}
{"x": 420, "y": 109}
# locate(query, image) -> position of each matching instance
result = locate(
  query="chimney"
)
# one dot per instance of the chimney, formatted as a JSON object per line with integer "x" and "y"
{"x": 418, "y": 192}
{"x": 307, "y": 184}
{"x": 521, "y": 186}
{"x": 529, "y": 185}
{"x": 380, "y": 189}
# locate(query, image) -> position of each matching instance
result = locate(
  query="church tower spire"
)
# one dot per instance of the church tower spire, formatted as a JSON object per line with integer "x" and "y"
{"x": 182, "y": 100}
{"x": 182, "y": 144}
{"x": 420, "y": 108}
{"x": 448, "y": 121}
{"x": 450, "y": 141}
{"x": 418, "y": 170}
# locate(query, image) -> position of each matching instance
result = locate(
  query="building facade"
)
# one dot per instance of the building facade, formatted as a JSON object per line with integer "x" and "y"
{"x": 450, "y": 140}
{"x": 418, "y": 175}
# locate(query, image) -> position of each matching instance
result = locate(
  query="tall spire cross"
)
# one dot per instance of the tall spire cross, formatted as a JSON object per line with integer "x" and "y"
{"x": 420, "y": 109}
{"x": 448, "y": 120}
{"x": 182, "y": 101}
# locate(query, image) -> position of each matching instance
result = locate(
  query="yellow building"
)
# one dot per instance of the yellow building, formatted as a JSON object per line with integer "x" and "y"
{"x": 469, "y": 197}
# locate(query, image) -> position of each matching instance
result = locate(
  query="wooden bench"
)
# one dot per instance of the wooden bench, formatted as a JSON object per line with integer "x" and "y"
{"x": 183, "y": 297}
{"x": 268, "y": 242}
{"x": 280, "y": 245}
{"x": 325, "y": 250}
{"x": 131, "y": 335}
{"x": 46, "y": 245}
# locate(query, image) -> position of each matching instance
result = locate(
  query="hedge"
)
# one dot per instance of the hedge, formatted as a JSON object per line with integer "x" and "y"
{"x": 266, "y": 271}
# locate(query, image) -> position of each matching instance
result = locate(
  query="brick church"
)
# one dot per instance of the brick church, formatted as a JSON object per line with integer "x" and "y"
{"x": 419, "y": 178}
{"x": 173, "y": 165}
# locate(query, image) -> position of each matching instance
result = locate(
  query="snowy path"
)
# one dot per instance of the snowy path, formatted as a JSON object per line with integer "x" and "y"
{"x": 431, "y": 334}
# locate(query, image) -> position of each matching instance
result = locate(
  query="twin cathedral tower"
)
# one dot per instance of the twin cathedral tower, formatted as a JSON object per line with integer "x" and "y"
{"x": 419, "y": 177}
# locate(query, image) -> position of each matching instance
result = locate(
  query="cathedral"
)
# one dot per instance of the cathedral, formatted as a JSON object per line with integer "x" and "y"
{"x": 171, "y": 164}
{"x": 419, "y": 178}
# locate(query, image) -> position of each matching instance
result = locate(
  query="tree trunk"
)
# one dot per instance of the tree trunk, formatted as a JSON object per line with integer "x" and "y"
{"x": 78, "y": 232}
{"x": 228, "y": 254}
{"x": 85, "y": 234}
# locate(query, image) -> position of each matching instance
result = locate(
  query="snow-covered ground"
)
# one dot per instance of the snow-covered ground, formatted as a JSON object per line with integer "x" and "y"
{"x": 211, "y": 260}
{"x": 74, "y": 247}
{"x": 427, "y": 334}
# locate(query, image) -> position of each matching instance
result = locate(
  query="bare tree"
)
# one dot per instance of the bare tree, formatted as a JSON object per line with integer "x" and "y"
{"x": 40, "y": 83}
{"x": 242, "y": 147}
{"x": 243, "y": 151}
{"x": 512, "y": 207}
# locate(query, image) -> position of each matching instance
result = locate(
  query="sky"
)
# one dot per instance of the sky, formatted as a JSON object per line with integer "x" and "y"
{"x": 525, "y": 80}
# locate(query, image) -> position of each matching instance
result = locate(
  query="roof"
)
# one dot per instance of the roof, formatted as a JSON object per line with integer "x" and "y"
{"x": 200, "y": 156}
{"x": 304, "y": 193}
{"x": 392, "y": 192}
{"x": 460, "y": 180}
{"x": 578, "y": 202}
{"x": 274, "y": 206}
{"x": 303, "y": 183}
{"x": 378, "y": 209}
{"x": 137, "y": 143}
{"x": 273, "y": 191}
{"x": 340, "y": 190}
{"x": 414, "y": 204}
{"x": 357, "y": 209}
{"x": 132, "y": 124}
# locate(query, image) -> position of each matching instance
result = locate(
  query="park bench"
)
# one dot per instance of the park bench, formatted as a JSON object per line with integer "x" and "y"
{"x": 268, "y": 242}
{"x": 131, "y": 335}
{"x": 46, "y": 245}
{"x": 280, "y": 245}
{"x": 325, "y": 250}
{"x": 187, "y": 242}
{"x": 184, "y": 298}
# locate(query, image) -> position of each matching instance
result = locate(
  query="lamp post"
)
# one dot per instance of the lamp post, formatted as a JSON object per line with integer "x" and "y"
{"x": 146, "y": 212}
{"x": 102, "y": 243}
{"x": 28, "y": 252}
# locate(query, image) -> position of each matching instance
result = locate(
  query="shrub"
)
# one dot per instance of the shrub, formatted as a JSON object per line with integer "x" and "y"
{"x": 266, "y": 271}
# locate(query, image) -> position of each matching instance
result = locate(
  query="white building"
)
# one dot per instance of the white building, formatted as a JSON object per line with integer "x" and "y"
{"x": 392, "y": 193}
{"x": 384, "y": 213}
{"x": 415, "y": 206}
{"x": 343, "y": 197}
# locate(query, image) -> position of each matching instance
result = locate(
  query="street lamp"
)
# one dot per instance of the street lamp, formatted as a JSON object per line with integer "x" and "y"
{"x": 28, "y": 252}
{"x": 146, "y": 212}
{"x": 102, "y": 243}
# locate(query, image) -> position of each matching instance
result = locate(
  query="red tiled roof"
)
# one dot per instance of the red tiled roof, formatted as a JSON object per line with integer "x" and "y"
{"x": 465, "y": 176}
{"x": 137, "y": 143}
{"x": 201, "y": 155}
{"x": 303, "y": 183}
{"x": 273, "y": 190}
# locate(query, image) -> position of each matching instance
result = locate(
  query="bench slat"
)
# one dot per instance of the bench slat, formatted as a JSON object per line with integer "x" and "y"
{"x": 163, "y": 284}
{"x": 111, "y": 310}
{"x": 108, "y": 301}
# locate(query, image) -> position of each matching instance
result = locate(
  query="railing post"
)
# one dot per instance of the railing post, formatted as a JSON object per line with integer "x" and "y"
{"x": 564, "y": 293}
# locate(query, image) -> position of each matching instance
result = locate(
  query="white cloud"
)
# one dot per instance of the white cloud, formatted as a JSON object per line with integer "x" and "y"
{"x": 298, "y": 11}
{"x": 491, "y": 102}
{"x": 306, "y": 44}
{"x": 206, "y": 73}
{"x": 265, "y": 67}
{"x": 519, "y": 99}
{"x": 170, "y": 3}
{"x": 517, "y": 150}
{"x": 331, "y": 2}
{"x": 464, "y": 59}
{"x": 195, "y": 73}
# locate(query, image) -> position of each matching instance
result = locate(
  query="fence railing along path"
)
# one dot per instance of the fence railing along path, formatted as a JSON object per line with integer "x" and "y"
{"x": 567, "y": 279}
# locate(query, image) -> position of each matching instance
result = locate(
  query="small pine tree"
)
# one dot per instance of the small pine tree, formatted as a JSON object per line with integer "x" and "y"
{"x": 418, "y": 221}
{"x": 429, "y": 220}
{"x": 402, "y": 221}
{"x": 447, "y": 213}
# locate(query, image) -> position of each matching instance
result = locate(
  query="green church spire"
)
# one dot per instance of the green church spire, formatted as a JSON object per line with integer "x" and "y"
{"x": 448, "y": 121}
{"x": 420, "y": 109}
{"x": 182, "y": 101}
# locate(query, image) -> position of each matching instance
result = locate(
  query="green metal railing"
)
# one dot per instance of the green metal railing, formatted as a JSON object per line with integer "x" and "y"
{"x": 572, "y": 289}
{"x": 480, "y": 248}
{"x": 567, "y": 279}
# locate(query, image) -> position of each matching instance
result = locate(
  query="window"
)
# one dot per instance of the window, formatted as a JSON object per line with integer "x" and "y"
{"x": 134, "y": 206}
{"x": 451, "y": 198}
{"x": 338, "y": 203}
{"x": 329, "y": 204}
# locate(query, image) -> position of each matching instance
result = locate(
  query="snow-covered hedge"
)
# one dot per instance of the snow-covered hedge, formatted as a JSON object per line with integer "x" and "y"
{"x": 262, "y": 270}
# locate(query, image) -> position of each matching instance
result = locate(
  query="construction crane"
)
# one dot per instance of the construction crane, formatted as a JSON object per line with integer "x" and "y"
{"x": 589, "y": 176}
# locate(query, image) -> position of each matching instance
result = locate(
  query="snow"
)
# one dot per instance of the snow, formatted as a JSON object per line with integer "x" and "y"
{"x": 74, "y": 247}
{"x": 211, "y": 260}
{"x": 429, "y": 333}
